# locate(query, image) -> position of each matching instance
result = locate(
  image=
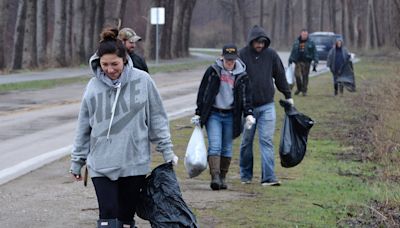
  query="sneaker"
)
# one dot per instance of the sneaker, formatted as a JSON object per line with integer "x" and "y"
{"x": 304, "y": 94}
{"x": 271, "y": 183}
{"x": 246, "y": 182}
{"x": 297, "y": 92}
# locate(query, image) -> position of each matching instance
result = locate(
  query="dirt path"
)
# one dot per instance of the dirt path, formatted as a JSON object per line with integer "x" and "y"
{"x": 48, "y": 197}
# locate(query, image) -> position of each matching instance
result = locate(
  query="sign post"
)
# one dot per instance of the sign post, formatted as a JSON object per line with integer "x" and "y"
{"x": 157, "y": 16}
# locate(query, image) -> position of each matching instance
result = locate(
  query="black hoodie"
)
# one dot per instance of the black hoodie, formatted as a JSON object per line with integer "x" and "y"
{"x": 262, "y": 68}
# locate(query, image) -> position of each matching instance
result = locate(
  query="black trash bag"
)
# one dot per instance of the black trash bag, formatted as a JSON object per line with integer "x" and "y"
{"x": 161, "y": 201}
{"x": 346, "y": 76}
{"x": 293, "y": 144}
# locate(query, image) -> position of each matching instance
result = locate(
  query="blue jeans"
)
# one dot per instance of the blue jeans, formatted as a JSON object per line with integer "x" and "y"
{"x": 265, "y": 122}
{"x": 220, "y": 131}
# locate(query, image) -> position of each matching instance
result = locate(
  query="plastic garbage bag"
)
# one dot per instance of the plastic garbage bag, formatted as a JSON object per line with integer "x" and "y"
{"x": 161, "y": 202}
{"x": 293, "y": 143}
{"x": 290, "y": 74}
{"x": 196, "y": 153}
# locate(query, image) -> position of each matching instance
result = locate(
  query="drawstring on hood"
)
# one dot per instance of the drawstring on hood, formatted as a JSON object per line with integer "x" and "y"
{"x": 94, "y": 62}
{"x": 118, "y": 87}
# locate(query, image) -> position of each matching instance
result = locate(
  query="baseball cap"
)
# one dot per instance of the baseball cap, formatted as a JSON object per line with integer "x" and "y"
{"x": 128, "y": 34}
{"x": 230, "y": 52}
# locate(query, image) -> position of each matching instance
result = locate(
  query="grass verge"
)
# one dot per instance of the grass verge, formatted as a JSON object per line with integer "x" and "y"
{"x": 46, "y": 84}
{"x": 336, "y": 184}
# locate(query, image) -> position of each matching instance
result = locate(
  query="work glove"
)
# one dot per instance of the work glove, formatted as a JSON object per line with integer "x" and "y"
{"x": 314, "y": 67}
{"x": 195, "y": 120}
{"x": 250, "y": 121}
{"x": 290, "y": 100}
{"x": 174, "y": 160}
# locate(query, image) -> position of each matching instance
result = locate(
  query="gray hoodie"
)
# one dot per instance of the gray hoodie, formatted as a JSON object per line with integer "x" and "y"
{"x": 224, "y": 98}
{"x": 117, "y": 122}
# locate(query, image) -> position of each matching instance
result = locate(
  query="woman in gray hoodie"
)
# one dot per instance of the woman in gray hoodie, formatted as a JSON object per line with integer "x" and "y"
{"x": 120, "y": 115}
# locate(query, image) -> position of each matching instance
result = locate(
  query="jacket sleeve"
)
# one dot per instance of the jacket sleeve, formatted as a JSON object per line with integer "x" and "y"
{"x": 202, "y": 88}
{"x": 247, "y": 96}
{"x": 292, "y": 54}
{"x": 81, "y": 145}
{"x": 158, "y": 124}
{"x": 329, "y": 60}
{"x": 278, "y": 73}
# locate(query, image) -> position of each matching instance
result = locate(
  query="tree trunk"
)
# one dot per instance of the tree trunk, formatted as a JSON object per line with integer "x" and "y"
{"x": 4, "y": 8}
{"x": 41, "y": 32}
{"x": 16, "y": 62}
{"x": 59, "y": 39}
{"x": 165, "y": 44}
{"x": 121, "y": 9}
{"x": 89, "y": 17}
{"x": 187, "y": 19}
{"x": 29, "y": 53}
{"x": 150, "y": 44}
{"x": 78, "y": 47}
{"x": 176, "y": 38}
{"x": 243, "y": 18}
{"x": 68, "y": 32}
{"x": 99, "y": 20}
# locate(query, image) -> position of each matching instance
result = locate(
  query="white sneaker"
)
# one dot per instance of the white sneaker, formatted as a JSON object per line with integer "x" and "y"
{"x": 272, "y": 183}
{"x": 246, "y": 182}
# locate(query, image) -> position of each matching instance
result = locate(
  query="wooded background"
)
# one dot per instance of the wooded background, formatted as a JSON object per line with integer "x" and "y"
{"x": 61, "y": 33}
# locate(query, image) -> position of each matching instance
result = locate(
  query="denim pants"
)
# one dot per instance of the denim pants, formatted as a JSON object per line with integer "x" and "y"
{"x": 220, "y": 131}
{"x": 265, "y": 123}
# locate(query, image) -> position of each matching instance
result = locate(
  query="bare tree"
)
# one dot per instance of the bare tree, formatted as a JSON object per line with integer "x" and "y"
{"x": 3, "y": 22}
{"x": 58, "y": 48}
{"x": 165, "y": 44}
{"x": 90, "y": 9}
{"x": 78, "y": 47}
{"x": 99, "y": 20}
{"x": 176, "y": 39}
{"x": 187, "y": 19}
{"x": 68, "y": 32}
{"x": 41, "y": 32}
{"x": 29, "y": 54}
{"x": 16, "y": 61}
{"x": 150, "y": 33}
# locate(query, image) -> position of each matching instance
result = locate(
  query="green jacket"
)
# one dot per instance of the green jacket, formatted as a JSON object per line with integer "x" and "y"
{"x": 310, "y": 52}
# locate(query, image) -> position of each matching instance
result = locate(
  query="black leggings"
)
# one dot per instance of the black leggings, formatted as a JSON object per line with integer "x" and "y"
{"x": 118, "y": 199}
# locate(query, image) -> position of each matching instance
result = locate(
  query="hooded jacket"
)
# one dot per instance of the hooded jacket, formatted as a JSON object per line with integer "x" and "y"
{"x": 331, "y": 59}
{"x": 117, "y": 122}
{"x": 263, "y": 68}
{"x": 209, "y": 88}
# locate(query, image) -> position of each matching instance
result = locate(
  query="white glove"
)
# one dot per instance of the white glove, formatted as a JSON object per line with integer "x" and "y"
{"x": 290, "y": 100}
{"x": 195, "y": 120}
{"x": 174, "y": 160}
{"x": 250, "y": 121}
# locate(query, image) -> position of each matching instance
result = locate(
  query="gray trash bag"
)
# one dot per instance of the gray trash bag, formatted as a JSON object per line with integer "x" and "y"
{"x": 161, "y": 201}
{"x": 293, "y": 144}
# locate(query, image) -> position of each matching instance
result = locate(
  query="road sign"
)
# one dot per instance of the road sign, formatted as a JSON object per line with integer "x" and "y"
{"x": 157, "y": 16}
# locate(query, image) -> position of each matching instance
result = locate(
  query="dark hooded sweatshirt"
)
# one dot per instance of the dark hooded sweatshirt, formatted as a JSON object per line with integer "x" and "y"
{"x": 263, "y": 68}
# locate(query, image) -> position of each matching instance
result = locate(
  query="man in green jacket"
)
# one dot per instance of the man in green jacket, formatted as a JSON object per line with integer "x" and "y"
{"x": 302, "y": 54}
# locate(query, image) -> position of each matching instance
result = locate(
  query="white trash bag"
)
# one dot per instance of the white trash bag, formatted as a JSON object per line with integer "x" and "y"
{"x": 196, "y": 153}
{"x": 290, "y": 74}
